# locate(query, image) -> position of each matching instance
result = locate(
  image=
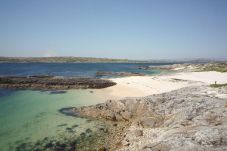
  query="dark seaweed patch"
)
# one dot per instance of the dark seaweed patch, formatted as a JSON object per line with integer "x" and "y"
{"x": 57, "y": 92}
{"x": 5, "y": 133}
{"x": 87, "y": 140}
{"x": 61, "y": 125}
{"x": 70, "y": 130}
{"x": 88, "y": 130}
{"x": 88, "y": 120}
{"x": 74, "y": 126}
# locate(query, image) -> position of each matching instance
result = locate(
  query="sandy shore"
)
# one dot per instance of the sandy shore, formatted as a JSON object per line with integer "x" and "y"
{"x": 208, "y": 77}
{"x": 139, "y": 86}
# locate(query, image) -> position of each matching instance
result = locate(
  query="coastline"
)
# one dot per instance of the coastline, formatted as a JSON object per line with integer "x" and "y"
{"x": 141, "y": 86}
{"x": 187, "y": 115}
{"x": 158, "y": 112}
{"x": 140, "y": 106}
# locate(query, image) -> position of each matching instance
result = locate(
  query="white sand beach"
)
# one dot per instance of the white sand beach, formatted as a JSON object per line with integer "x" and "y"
{"x": 139, "y": 86}
{"x": 208, "y": 77}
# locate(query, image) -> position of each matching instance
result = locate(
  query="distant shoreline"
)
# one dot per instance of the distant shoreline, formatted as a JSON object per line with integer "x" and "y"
{"x": 65, "y": 60}
{"x": 99, "y": 60}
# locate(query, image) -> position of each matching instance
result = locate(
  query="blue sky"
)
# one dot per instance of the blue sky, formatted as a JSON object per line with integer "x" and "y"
{"x": 134, "y": 29}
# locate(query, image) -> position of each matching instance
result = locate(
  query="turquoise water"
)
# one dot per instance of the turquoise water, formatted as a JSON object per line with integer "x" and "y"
{"x": 29, "y": 116}
{"x": 33, "y": 115}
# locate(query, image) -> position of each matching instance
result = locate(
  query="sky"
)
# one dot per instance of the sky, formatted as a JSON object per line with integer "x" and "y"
{"x": 132, "y": 29}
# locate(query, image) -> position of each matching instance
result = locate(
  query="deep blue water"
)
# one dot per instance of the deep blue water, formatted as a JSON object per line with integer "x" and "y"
{"x": 69, "y": 69}
{"x": 5, "y": 92}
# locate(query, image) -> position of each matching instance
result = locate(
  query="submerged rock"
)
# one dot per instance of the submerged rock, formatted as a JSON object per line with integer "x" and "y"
{"x": 57, "y": 92}
{"x": 91, "y": 141}
{"x": 74, "y": 126}
{"x": 69, "y": 111}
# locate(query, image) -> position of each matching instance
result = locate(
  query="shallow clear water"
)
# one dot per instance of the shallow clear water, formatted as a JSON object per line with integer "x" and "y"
{"x": 27, "y": 115}
{"x": 32, "y": 115}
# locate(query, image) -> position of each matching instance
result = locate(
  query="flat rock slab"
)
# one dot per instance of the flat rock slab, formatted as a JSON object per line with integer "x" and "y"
{"x": 54, "y": 83}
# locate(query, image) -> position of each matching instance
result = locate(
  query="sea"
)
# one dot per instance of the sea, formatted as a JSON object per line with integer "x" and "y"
{"x": 28, "y": 116}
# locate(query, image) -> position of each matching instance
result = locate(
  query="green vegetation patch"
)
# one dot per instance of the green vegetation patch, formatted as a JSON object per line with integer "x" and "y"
{"x": 219, "y": 67}
{"x": 67, "y": 59}
{"x": 218, "y": 85}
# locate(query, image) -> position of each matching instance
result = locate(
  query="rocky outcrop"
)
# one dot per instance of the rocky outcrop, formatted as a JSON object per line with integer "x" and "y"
{"x": 185, "y": 119}
{"x": 122, "y": 110}
{"x": 53, "y": 83}
{"x": 190, "y": 67}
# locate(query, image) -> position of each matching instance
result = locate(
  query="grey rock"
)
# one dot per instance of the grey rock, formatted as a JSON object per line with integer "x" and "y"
{"x": 184, "y": 119}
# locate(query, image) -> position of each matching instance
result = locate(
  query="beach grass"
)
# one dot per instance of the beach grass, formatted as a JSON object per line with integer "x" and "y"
{"x": 219, "y": 67}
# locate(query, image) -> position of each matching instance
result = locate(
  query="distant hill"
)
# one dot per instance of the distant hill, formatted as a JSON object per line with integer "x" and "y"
{"x": 65, "y": 60}
{"x": 102, "y": 60}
